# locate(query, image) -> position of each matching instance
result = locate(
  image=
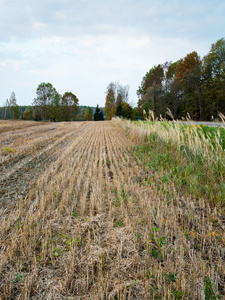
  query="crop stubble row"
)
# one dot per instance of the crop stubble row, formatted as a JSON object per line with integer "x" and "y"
{"x": 91, "y": 224}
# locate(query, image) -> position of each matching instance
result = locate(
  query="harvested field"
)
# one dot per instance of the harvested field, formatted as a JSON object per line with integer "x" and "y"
{"x": 79, "y": 220}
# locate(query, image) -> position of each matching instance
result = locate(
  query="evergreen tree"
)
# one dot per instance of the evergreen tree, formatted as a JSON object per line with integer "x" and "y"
{"x": 101, "y": 117}
{"x": 119, "y": 109}
{"x": 98, "y": 115}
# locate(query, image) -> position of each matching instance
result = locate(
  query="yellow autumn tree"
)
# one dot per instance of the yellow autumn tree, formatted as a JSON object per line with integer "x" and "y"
{"x": 87, "y": 114}
{"x": 110, "y": 102}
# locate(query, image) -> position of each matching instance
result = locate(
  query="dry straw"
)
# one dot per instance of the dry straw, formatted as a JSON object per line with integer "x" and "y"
{"x": 92, "y": 228}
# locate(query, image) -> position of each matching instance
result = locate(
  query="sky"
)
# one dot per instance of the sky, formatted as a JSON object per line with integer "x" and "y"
{"x": 80, "y": 46}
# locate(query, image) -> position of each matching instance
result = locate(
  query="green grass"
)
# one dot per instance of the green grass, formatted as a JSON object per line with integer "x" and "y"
{"x": 198, "y": 171}
{"x": 8, "y": 149}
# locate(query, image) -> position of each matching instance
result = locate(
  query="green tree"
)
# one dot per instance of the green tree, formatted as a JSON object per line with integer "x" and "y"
{"x": 101, "y": 116}
{"x": 119, "y": 110}
{"x": 54, "y": 106}
{"x": 127, "y": 111}
{"x": 172, "y": 90}
{"x": 47, "y": 99}
{"x": 87, "y": 114}
{"x": 213, "y": 82}
{"x": 98, "y": 115}
{"x": 151, "y": 91}
{"x": 37, "y": 113}
{"x": 69, "y": 106}
{"x": 30, "y": 110}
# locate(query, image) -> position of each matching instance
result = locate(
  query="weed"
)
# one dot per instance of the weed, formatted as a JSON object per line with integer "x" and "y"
{"x": 56, "y": 252}
{"x": 162, "y": 240}
{"x": 177, "y": 295}
{"x": 156, "y": 253}
{"x": 171, "y": 278}
{"x": 155, "y": 211}
{"x": 8, "y": 150}
{"x": 18, "y": 277}
{"x": 119, "y": 223}
{"x": 123, "y": 195}
{"x": 138, "y": 235}
{"x": 72, "y": 241}
{"x": 210, "y": 293}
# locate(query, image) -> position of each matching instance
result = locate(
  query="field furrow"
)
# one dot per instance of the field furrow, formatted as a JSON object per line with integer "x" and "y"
{"x": 95, "y": 225}
{"x": 19, "y": 173}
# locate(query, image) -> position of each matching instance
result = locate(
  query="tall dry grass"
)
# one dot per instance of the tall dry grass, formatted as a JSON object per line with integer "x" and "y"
{"x": 195, "y": 151}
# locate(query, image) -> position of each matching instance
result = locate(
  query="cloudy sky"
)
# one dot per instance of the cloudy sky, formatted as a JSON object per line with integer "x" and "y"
{"x": 80, "y": 46}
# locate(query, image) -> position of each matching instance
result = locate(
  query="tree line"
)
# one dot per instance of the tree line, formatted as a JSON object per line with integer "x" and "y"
{"x": 26, "y": 113}
{"x": 191, "y": 86}
{"x": 49, "y": 105}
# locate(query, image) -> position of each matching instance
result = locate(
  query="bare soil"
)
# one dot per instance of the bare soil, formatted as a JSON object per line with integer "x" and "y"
{"x": 19, "y": 170}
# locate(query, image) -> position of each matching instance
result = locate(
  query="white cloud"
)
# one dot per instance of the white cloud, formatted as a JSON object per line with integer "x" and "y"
{"x": 81, "y": 46}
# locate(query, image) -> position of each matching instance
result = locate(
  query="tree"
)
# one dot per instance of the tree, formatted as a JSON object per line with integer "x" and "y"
{"x": 14, "y": 108}
{"x": 188, "y": 78}
{"x": 213, "y": 83}
{"x": 119, "y": 110}
{"x": 26, "y": 115}
{"x": 153, "y": 77}
{"x": 121, "y": 93}
{"x": 191, "y": 85}
{"x": 151, "y": 91}
{"x": 30, "y": 110}
{"x": 47, "y": 100}
{"x": 98, "y": 115}
{"x": 7, "y": 110}
{"x": 69, "y": 106}
{"x": 37, "y": 113}
{"x": 172, "y": 92}
{"x": 116, "y": 94}
{"x": 110, "y": 103}
{"x": 127, "y": 111}
{"x": 87, "y": 114}
{"x": 54, "y": 107}
{"x": 101, "y": 116}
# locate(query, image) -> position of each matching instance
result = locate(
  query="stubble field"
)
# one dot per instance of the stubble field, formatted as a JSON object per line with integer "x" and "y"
{"x": 79, "y": 220}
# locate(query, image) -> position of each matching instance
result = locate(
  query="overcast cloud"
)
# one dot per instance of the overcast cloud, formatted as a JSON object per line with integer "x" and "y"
{"x": 81, "y": 46}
